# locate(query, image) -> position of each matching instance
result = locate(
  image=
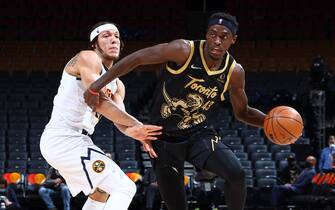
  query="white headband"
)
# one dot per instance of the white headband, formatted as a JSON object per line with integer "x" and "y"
{"x": 102, "y": 28}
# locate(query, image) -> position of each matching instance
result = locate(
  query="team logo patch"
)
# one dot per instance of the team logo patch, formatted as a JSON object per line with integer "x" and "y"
{"x": 222, "y": 78}
{"x": 98, "y": 166}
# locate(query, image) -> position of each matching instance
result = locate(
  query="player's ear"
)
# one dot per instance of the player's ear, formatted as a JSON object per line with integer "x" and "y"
{"x": 234, "y": 39}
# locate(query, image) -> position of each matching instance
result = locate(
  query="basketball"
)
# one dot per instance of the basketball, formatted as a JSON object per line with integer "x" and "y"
{"x": 283, "y": 125}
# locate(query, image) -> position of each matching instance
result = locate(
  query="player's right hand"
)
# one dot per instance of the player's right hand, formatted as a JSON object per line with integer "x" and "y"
{"x": 144, "y": 132}
{"x": 91, "y": 99}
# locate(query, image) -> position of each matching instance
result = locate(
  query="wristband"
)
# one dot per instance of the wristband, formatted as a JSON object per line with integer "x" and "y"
{"x": 93, "y": 92}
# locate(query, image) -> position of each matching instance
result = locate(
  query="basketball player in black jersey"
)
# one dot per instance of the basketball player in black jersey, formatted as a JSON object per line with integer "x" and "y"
{"x": 190, "y": 92}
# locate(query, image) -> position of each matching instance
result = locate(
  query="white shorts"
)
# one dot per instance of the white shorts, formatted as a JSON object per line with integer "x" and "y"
{"x": 83, "y": 165}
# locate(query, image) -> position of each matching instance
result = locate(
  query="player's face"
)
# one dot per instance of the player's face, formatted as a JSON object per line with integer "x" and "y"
{"x": 331, "y": 140}
{"x": 219, "y": 39}
{"x": 109, "y": 44}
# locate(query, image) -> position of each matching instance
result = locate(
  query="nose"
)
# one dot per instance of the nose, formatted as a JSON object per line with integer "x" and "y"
{"x": 217, "y": 41}
{"x": 114, "y": 39}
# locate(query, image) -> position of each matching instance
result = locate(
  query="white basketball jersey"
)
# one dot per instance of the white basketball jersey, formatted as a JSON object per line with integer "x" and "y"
{"x": 70, "y": 109}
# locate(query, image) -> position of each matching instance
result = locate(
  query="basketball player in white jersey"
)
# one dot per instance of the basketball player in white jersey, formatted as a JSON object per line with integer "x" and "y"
{"x": 65, "y": 142}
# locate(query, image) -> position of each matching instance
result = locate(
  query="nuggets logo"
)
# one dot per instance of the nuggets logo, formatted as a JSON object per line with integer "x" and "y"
{"x": 98, "y": 166}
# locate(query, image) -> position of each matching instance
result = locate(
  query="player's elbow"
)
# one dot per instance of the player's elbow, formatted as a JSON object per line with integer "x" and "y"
{"x": 241, "y": 115}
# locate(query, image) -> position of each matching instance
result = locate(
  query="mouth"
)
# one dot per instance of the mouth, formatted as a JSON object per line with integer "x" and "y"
{"x": 113, "y": 49}
{"x": 216, "y": 51}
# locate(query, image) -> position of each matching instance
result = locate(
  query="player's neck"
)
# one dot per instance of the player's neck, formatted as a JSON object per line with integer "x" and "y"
{"x": 107, "y": 63}
{"x": 213, "y": 64}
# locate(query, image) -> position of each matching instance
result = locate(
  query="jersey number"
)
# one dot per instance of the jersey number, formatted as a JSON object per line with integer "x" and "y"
{"x": 207, "y": 105}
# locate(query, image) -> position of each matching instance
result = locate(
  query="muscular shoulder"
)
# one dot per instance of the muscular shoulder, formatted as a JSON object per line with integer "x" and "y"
{"x": 238, "y": 72}
{"x": 88, "y": 56}
{"x": 238, "y": 69}
{"x": 85, "y": 57}
{"x": 237, "y": 76}
{"x": 85, "y": 61}
{"x": 180, "y": 44}
{"x": 181, "y": 49}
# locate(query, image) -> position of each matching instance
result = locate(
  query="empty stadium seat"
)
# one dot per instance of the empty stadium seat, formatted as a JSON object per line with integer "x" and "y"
{"x": 17, "y": 140}
{"x": 282, "y": 155}
{"x": 238, "y": 125}
{"x": 236, "y": 148}
{"x": 37, "y": 166}
{"x": 103, "y": 140}
{"x": 17, "y": 147}
{"x": 2, "y": 156}
{"x": 241, "y": 155}
{"x": 125, "y": 147}
{"x": 17, "y": 156}
{"x": 257, "y": 148}
{"x": 265, "y": 164}
{"x": 266, "y": 182}
{"x": 16, "y": 166}
{"x": 253, "y": 140}
{"x": 248, "y": 173}
{"x": 232, "y": 140}
{"x": 246, "y": 164}
{"x": 36, "y": 155}
{"x": 274, "y": 148}
{"x": 228, "y": 132}
{"x": 126, "y": 156}
{"x": 107, "y": 148}
{"x": 249, "y": 132}
{"x": 261, "y": 156}
{"x": 266, "y": 173}
{"x": 129, "y": 166}
{"x": 249, "y": 182}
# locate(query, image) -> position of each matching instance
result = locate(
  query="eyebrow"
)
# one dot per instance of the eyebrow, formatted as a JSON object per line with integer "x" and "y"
{"x": 109, "y": 32}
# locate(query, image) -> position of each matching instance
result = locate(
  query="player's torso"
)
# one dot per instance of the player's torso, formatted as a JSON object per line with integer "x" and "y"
{"x": 189, "y": 95}
{"x": 70, "y": 109}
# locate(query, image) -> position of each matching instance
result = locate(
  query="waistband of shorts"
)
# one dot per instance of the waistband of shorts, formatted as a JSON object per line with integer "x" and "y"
{"x": 185, "y": 132}
{"x": 77, "y": 130}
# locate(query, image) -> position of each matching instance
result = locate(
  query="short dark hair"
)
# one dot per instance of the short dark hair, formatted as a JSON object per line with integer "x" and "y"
{"x": 226, "y": 16}
{"x": 91, "y": 44}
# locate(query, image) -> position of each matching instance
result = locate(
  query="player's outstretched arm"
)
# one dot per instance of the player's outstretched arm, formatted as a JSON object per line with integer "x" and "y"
{"x": 239, "y": 100}
{"x": 176, "y": 51}
{"x": 89, "y": 65}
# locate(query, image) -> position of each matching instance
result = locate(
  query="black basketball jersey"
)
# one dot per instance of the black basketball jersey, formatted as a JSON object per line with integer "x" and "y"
{"x": 187, "y": 96}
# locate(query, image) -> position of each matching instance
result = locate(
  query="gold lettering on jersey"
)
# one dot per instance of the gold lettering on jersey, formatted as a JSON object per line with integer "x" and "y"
{"x": 209, "y": 92}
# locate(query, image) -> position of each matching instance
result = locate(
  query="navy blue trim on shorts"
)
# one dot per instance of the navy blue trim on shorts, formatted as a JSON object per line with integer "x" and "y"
{"x": 89, "y": 158}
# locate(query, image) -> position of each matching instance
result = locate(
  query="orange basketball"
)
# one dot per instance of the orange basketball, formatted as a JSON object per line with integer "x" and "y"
{"x": 283, "y": 125}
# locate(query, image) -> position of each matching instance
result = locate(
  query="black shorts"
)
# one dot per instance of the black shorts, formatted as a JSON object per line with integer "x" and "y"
{"x": 195, "y": 148}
